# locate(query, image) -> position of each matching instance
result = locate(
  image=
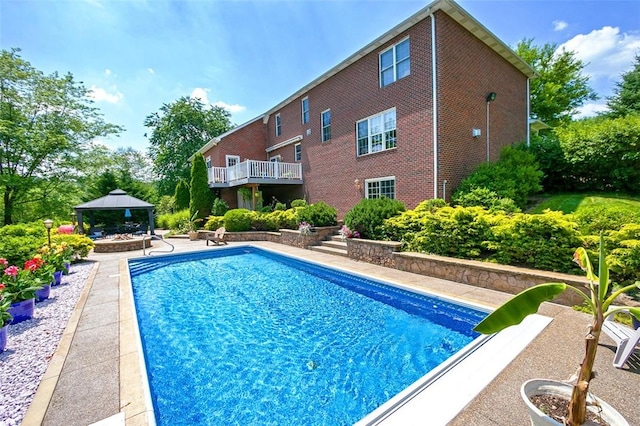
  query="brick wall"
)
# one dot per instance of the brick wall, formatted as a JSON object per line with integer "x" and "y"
{"x": 248, "y": 142}
{"x": 330, "y": 168}
{"x": 468, "y": 71}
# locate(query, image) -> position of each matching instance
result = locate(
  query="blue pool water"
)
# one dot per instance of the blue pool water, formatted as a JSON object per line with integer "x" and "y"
{"x": 244, "y": 336}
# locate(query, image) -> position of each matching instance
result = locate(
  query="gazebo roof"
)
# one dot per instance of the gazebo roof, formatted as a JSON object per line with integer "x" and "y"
{"x": 116, "y": 200}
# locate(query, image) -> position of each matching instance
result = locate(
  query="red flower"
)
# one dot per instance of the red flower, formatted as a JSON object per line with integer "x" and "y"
{"x": 4, "y": 262}
{"x": 32, "y": 265}
{"x": 12, "y": 271}
{"x": 1, "y": 286}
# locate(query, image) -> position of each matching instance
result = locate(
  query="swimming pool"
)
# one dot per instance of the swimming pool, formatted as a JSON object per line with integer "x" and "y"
{"x": 331, "y": 374}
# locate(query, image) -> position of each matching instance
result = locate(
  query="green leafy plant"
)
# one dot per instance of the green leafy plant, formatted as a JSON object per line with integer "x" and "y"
{"x": 5, "y": 304}
{"x": 237, "y": 220}
{"x": 298, "y": 203}
{"x": 20, "y": 284}
{"x": 599, "y": 302}
{"x": 214, "y": 222}
{"x": 367, "y": 217}
{"x": 318, "y": 214}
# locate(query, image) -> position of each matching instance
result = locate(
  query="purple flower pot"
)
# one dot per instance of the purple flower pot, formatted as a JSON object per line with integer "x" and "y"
{"x": 57, "y": 277}
{"x": 21, "y": 311}
{"x": 67, "y": 268}
{"x": 3, "y": 338}
{"x": 43, "y": 293}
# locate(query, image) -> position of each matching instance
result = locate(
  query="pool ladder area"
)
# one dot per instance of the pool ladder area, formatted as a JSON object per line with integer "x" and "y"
{"x": 155, "y": 237}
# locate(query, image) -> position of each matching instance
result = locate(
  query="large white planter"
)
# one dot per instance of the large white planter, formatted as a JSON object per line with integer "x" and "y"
{"x": 551, "y": 387}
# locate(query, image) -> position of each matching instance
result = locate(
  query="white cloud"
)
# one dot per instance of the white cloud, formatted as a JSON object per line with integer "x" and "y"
{"x": 606, "y": 51}
{"x": 235, "y": 108}
{"x": 200, "y": 93}
{"x": 559, "y": 25}
{"x": 590, "y": 109}
{"x": 203, "y": 95}
{"x": 107, "y": 72}
{"x": 99, "y": 94}
{"x": 151, "y": 70}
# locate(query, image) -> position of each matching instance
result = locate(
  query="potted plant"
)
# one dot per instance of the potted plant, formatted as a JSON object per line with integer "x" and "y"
{"x": 192, "y": 226}
{"x": 19, "y": 287}
{"x": 600, "y": 303}
{"x": 5, "y": 319}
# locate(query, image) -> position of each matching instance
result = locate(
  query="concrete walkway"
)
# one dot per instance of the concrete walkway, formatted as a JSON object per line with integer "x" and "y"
{"x": 94, "y": 376}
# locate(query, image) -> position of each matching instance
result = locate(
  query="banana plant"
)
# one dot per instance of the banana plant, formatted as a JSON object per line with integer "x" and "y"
{"x": 597, "y": 298}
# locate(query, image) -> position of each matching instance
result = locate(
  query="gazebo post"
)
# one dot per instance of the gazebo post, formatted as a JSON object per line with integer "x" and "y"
{"x": 80, "y": 224}
{"x": 151, "y": 223}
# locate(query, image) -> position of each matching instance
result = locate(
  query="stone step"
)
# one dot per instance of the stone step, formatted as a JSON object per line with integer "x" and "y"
{"x": 330, "y": 250}
{"x": 337, "y": 238}
{"x": 335, "y": 244}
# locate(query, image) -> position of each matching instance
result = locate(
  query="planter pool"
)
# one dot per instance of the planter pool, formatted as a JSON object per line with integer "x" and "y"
{"x": 246, "y": 336}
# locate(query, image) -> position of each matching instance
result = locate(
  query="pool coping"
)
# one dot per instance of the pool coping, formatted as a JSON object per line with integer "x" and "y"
{"x": 429, "y": 392}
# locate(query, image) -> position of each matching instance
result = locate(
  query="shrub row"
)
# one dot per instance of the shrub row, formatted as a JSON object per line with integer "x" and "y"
{"x": 543, "y": 241}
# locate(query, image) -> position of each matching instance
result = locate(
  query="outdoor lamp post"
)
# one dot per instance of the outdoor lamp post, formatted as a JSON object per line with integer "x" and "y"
{"x": 48, "y": 223}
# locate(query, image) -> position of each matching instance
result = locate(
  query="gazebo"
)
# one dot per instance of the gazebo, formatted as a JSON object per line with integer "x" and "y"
{"x": 116, "y": 200}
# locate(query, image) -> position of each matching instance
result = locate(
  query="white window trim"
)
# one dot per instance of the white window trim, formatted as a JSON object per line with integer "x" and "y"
{"x": 322, "y": 126}
{"x": 284, "y": 143}
{"x": 395, "y": 62}
{"x": 276, "y": 158}
{"x": 380, "y": 179}
{"x": 278, "y": 123}
{"x": 207, "y": 162}
{"x": 383, "y": 132}
{"x": 306, "y": 98}
{"x": 295, "y": 152}
{"x": 230, "y": 157}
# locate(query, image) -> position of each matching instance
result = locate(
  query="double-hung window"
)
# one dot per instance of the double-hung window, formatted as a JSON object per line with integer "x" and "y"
{"x": 326, "y": 125}
{"x": 376, "y": 133}
{"x": 297, "y": 151}
{"x": 305, "y": 110}
{"x": 381, "y": 187}
{"x": 278, "y": 125}
{"x": 395, "y": 63}
{"x": 207, "y": 162}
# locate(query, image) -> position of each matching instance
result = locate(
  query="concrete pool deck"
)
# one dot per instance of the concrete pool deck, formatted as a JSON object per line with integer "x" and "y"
{"x": 94, "y": 374}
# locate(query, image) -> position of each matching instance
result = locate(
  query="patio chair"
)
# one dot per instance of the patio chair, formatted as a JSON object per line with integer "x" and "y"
{"x": 626, "y": 338}
{"x": 217, "y": 237}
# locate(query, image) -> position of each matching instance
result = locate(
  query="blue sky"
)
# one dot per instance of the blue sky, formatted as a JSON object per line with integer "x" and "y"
{"x": 249, "y": 55}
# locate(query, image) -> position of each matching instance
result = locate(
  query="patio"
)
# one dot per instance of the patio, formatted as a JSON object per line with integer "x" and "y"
{"x": 107, "y": 381}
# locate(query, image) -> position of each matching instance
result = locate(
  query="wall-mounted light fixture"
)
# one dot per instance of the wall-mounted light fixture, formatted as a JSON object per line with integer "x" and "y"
{"x": 357, "y": 184}
{"x": 490, "y": 98}
{"x": 476, "y": 133}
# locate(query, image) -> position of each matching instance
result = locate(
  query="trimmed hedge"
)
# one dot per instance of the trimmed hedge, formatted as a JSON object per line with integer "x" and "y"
{"x": 318, "y": 214}
{"x": 367, "y": 217}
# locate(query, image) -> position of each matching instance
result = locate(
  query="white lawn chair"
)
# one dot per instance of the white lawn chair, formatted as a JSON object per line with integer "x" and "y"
{"x": 626, "y": 338}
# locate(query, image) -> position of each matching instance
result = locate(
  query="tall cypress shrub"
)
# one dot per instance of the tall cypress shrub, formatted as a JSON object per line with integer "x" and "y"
{"x": 201, "y": 196}
{"x": 182, "y": 195}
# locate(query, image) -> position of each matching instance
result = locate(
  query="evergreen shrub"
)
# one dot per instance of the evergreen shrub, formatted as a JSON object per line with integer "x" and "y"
{"x": 219, "y": 207}
{"x": 318, "y": 214}
{"x": 238, "y": 220}
{"x": 367, "y": 217}
{"x": 483, "y": 197}
{"x": 298, "y": 203}
{"x": 214, "y": 222}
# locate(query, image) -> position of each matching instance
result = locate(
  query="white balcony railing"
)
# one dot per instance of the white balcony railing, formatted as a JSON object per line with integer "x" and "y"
{"x": 255, "y": 169}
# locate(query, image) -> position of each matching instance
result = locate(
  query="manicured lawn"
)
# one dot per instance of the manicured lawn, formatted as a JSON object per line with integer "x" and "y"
{"x": 569, "y": 203}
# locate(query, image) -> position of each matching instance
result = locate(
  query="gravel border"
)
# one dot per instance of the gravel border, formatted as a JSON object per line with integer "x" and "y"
{"x": 32, "y": 343}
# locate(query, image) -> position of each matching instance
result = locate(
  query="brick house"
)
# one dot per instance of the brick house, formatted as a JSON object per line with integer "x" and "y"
{"x": 408, "y": 116}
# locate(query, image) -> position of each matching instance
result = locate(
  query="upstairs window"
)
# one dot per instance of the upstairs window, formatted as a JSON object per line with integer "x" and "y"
{"x": 376, "y": 133}
{"x": 305, "y": 110}
{"x": 381, "y": 187}
{"x": 278, "y": 125}
{"x": 207, "y": 162}
{"x": 326, "y": 125}
{"x": 297, "y": 150}
{"x": 395, "y": 63}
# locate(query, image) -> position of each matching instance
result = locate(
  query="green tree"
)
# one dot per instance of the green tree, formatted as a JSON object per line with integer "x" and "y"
{"x": 626, "y": 98}
{"x": 603, "y": 153}
{"x": 560, "y": 88}
{"x": 201, "y": 197}
{"x": 182, "y": 195}
{"x": 46, "y": 121}
{"x": 178, "y": 130}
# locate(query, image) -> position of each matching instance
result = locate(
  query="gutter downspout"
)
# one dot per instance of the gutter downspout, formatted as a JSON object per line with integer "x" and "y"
{"x": 434, "y": 101}
{"x": 528, "y": 114}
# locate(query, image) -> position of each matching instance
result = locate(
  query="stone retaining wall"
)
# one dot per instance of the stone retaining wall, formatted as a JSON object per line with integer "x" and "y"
{"x": 284, "y": 236}
{"x": 377, "y": 252}
{"x": 508, "y": 279}
{"x": 114, "y": 246}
